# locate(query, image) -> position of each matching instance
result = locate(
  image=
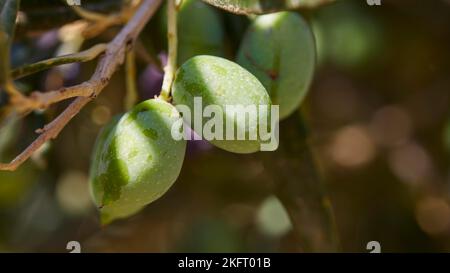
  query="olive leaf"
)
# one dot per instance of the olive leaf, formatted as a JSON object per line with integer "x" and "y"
{"x": 8, "y": 13}
{"x": 264, "y": 6}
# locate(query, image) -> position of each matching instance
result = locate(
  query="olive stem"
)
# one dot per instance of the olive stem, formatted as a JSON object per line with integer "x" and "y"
{"x": 131, "y": 96}
{"x": 172, "y": 37}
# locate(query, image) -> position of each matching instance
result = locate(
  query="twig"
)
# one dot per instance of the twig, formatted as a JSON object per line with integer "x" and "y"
{"x": 100, "y": 22}
{"x": 114, "y": 57}
{"x": 130, "y": 78}
{"x": 173, "y": 46}
{"x": 83, "y": 56}
{"x": 40, "y": 100}
{"x": 89, "y": 15}
{"x": 17, "y": 99}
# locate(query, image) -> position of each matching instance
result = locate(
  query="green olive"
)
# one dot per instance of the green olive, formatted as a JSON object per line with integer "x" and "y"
{"x": 279, "y": 49}
{"x": 136, "y": 160}
{"x": 222, "y": 83}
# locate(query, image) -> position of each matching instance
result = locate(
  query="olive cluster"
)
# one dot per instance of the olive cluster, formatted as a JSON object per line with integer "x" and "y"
{"x": 136, "y": 159}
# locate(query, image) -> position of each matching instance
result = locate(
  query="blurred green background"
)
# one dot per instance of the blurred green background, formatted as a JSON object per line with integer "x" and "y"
{"x": 377, "y": 120}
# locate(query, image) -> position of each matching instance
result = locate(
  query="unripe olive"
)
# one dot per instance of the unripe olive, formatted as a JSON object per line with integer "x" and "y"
{"x": 279, "y": 49}
{"x": 136, "y": 160}
{"x": 222, "y": 83}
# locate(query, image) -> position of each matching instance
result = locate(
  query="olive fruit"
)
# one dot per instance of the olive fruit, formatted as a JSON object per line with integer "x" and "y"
{"x": 222, "y": 83}
{"x": 279, "y": 49}
{"x": 136, "y": 159}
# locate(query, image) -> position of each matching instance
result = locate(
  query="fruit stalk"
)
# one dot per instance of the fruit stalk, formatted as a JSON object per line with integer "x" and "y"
{"x": 172, "y": 38}
{"x": 131, "y": 96}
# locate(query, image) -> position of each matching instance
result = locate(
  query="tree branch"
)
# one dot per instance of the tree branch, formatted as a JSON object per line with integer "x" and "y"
{"x": 83, "y": 56}
{"x": 100, "y": 22}
{"x": 114, "y": 57}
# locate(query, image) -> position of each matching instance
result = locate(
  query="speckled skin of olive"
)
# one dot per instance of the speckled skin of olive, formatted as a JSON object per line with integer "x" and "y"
{"x": 221, "y": 82}
{"x": 279, "y": 49}
{"x": 135, "y": 160}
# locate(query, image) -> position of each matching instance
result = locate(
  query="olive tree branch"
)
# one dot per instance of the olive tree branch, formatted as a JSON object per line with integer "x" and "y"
{"x": 89, "y": 15}
{"x": 172, "y": 37}
{"x": 113, "y": 58}
{"x": 83, "y": 56}
{"x": 41, "y": 100}
{"x": 100, "y": 22}
{"x": 38, "y": 100}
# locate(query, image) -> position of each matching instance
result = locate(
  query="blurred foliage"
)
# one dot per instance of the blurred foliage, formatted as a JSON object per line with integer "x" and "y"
{"x": 348, "y": 35}
{"x": 378, "y": 115}
{"x": 264, "y": 6}
{"x": 8, "y": 13}
{"x": 36, "y": 13}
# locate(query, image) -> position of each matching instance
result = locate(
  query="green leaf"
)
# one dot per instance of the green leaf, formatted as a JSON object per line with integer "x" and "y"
{"x": 264, "y": 6}
{"x": 8, "y": 13}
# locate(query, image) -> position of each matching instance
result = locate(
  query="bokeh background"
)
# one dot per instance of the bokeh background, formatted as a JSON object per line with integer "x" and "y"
{"x": 371, "y": 141}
